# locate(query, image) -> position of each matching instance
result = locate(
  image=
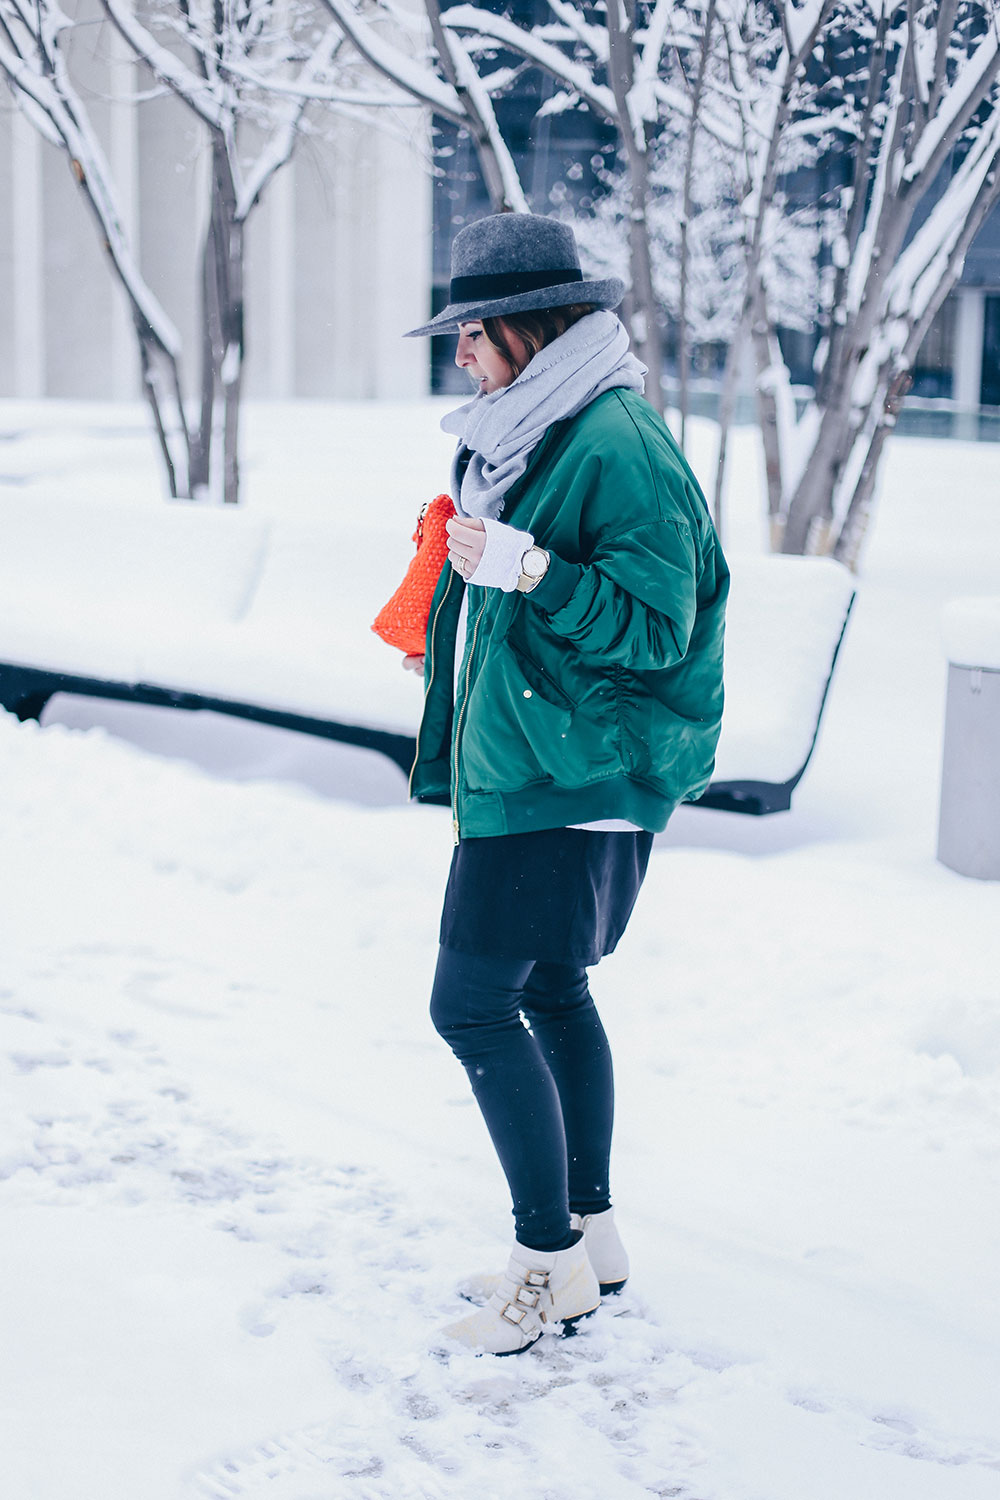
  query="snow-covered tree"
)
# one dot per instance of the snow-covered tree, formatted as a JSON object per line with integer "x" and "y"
{"x": 33, "y": 59}
{"x": 246, "y": 70}
{"x": 724, "y": 111}
{"x": 771, "y": 85}
{"x": 918, "y": 104}
{"x": 698, "y": 229}
{"x": 901, "y": 102}
{"x": 226, "y": 60}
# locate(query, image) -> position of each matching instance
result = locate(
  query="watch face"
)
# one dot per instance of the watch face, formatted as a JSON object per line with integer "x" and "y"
{"x": 534, "y": 563}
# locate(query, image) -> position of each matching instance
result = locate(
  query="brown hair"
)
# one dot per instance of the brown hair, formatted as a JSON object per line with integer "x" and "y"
{"x": 535, "y": 328}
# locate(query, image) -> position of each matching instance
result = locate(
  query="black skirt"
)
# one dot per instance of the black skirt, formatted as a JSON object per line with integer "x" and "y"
{"x": 561, "y": 895}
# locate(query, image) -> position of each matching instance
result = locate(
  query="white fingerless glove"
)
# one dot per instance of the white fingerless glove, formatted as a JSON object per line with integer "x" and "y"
{"x": 500, "y": 565}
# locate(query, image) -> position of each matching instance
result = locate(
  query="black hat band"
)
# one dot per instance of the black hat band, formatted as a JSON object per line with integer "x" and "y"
{"x": 508, "y": 284}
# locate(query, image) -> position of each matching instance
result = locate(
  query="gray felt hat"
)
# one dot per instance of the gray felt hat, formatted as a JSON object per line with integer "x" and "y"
{"x": 510, "y": 263}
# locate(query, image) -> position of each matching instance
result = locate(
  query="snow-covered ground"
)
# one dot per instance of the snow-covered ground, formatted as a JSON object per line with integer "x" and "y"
{"x": 240, "y": 1176}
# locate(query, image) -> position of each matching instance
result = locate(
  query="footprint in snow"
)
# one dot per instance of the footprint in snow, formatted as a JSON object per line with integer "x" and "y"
{"x": 16, "y": 1012}
{"x": 25, "y": 1062}
{"x": 287, "y": 1468}
{"x": 152, "y": 989}
{"x": 895, "y": 1433}
{"x": 898, "y": 1432}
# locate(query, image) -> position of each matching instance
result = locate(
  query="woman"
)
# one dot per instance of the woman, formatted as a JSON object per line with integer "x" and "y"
{"x": 573, "y": 694}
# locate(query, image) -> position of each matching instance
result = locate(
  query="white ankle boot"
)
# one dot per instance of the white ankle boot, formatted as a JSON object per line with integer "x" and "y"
{"x": 605, "y": 1251}
{"x": 539, "y": 1291}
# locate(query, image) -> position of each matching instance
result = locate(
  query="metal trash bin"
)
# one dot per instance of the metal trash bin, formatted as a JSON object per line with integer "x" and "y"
{"x": 969, "y": 825}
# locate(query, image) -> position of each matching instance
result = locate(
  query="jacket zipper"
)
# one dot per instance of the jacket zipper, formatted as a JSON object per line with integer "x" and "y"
{"x": 430, "y": 680}
{"x": 461, "y": 715}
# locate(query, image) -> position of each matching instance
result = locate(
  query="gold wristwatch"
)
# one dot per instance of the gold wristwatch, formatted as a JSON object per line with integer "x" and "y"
{"x": 534, "y": 565}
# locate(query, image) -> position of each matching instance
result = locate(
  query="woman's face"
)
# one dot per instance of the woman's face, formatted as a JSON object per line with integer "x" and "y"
{"x": 482, "y": 361}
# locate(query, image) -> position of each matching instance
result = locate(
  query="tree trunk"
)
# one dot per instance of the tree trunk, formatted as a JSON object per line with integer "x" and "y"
{"x": 634, "y": 138}
{"x": 161, "y": 387}
{"x": 812, "y": 504}
{"x": 848, "y": 545}
{"x": 767, "y": 416}
{"x": 232, "y": 361}
{"x": 217, "y": 442}
{"x": 727, "y": 407}
{"x": 683, "y": 353}
{"x": 646, "y": 316}
{"x": 211, "y": 343}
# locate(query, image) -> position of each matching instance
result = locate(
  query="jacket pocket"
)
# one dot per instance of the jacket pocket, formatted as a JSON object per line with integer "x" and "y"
{"x": 539, "y": 680}
{"x": 517, "y": 727}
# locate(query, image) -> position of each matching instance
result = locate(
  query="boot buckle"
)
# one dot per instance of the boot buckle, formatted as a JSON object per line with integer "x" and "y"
{"x": 512, "y": 1314}
{"x": 526, "y": 1297}
{"x": 537, "y": 1278}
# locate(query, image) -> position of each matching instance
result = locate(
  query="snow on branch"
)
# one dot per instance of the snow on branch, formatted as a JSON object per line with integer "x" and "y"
{"x": 945, "y": 222}
{"x": 414, "y": 77}
{"x": 470, "y": 81}
{"x": 281, "y": 144}
{"x": 654, "y": 40}
{"x": 197, "y": 92}
{"x": 527, "y": 44}
{"x": 325, "y": 93}
{"x": 860, "y": 271}
{"x": 30, "y": 89}
{"x": 802, "y": 23}
{"x": 959, "y": 103}
{"x": 594, "y": 38}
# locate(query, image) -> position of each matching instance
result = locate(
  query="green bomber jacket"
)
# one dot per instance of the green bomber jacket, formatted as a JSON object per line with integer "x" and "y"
{"x": 599, "y": 693}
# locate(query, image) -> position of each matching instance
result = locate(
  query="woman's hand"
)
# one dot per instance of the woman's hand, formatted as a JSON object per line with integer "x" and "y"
{"x": 414, "y": 664}
{"x": 466, "y": 542}
{"x": 487, "y": 553}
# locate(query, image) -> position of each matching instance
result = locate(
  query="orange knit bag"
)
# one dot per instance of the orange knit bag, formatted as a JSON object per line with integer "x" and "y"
{"x": 403, "y": 621}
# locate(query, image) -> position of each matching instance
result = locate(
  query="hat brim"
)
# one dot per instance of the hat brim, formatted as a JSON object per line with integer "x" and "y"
{"x": 607, "y": 293}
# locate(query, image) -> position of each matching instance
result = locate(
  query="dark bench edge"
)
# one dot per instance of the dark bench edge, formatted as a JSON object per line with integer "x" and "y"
{"x": 24, "y": 692}
{"x": 761, "y": 797}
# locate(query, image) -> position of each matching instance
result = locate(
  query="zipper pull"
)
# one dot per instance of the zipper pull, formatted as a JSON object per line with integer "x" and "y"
{"x": 454, "y": 829}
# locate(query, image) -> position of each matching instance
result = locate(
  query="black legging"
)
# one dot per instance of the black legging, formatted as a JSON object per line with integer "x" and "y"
{"x": 546, "y": 1094}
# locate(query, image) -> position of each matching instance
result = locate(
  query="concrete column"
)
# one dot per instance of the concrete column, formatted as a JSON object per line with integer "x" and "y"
{"x": 28, "y": 258}
{"x": 352, "y": 288}
{"x": 968, "y": 357}
{"x": 280, "y": 204}
{"x": 401, "y": 259}
{"x": 174, "y": 172}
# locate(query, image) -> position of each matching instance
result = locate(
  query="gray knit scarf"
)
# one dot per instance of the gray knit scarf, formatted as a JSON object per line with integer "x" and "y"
{"x": 501, "y": 430}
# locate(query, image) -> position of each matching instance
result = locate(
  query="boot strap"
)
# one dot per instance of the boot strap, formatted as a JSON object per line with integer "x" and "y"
{"x": 512, "y": 1314}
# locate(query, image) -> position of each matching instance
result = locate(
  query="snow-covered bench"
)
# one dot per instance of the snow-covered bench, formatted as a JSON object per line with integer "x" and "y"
{"x": 267, "y": 619}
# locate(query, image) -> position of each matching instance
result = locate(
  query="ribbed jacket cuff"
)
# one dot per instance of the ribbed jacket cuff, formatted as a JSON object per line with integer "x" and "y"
{"x": 561, "y": 578}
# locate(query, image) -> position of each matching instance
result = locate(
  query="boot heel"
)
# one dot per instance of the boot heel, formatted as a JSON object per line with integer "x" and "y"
{"x": 605, "y": 1250}
{"x": 570, "y": 1325}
